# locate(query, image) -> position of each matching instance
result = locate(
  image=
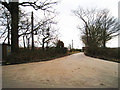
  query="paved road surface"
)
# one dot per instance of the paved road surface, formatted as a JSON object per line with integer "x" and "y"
{"x": 74, "y": 71}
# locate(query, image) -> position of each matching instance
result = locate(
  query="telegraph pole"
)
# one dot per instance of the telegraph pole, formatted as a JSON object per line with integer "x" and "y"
{"x": 32, "y": 34}
{"x": 72, "y": 44}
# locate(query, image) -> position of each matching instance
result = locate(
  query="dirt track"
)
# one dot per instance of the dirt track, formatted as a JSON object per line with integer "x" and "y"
{"x": 74, "y": 71}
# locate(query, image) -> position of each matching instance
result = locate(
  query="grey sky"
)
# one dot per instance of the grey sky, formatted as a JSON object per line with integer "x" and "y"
{"x": 67, "y": 22}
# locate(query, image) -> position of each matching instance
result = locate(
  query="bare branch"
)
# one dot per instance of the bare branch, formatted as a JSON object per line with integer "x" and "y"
{"x": 42, "y": 5}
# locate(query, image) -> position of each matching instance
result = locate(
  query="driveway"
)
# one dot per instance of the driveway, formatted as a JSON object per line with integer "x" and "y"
{"x": 74, "y": 71}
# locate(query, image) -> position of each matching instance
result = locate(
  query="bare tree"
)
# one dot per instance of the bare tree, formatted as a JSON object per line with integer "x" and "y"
{"x": 99, "y": 26}
{"x": 24, "y": 27}
{"x": 13, "y": 8}
{"x": 47, "y": 33}
{"x": 109, "y": 26}
{"x": 5, "y": 25}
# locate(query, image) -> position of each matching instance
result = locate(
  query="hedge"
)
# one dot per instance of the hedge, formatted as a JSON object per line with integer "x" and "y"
{"x": 27, "y": 55}
{"x": 110, "y": 54}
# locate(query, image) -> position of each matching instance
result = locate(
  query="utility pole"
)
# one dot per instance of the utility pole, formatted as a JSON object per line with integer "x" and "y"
{"x": 28, "y": 38}
{"x": 72, "y": 44}
{"x": 32, "y": 34}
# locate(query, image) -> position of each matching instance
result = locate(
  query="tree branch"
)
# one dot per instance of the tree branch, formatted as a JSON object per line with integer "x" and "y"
{"x": 6, "y": 5}
{"x": 42, "y": 5}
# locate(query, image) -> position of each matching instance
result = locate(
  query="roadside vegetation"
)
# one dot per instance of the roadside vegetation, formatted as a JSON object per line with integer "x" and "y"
{"x": 39, "y": 54}
{"x": 99, "y": 26}
{"x": 27, "y": 55}
{"x": 33, "y": 38}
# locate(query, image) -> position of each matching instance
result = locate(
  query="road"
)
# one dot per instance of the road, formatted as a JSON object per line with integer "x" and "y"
{"x": 74, "y": 71}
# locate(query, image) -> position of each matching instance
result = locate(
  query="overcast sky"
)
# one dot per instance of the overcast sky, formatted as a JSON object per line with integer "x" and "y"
{"x": 68, "y": 22}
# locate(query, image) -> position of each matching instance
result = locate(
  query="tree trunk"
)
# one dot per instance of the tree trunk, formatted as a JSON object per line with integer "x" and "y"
{"x": 24, "y": 41}
{"x": 8, "y": 35}
{"x": 47, "y": 44}
{"x": 104, "y": 34}
{"x": 28, "y": 45}
{"x": 8, "y": 23}
{"x": 104, "y": 44}
{"x": 32, "y": 31}
{"x": 43, "y": 44}
{"x": 87, "y": 44}
{"x": 14, "y": 26}
{"x": 104, "y": 39}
